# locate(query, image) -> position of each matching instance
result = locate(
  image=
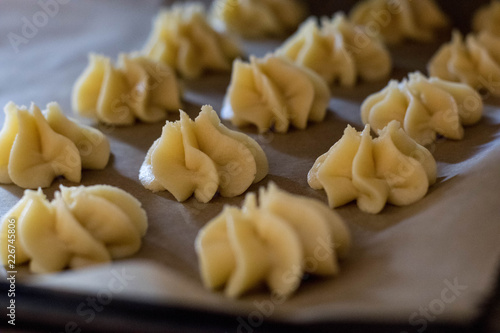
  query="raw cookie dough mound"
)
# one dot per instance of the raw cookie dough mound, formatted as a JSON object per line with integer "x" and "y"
{"x": 487, "y": 18}
{"x": 392, "y": 168}
{"x": 275, "y": 243}
{"x": 82, "y": 226}
{"x": 425, "y": 107}
{"x": 183, "y": 39}
{"x": 37, "y": 147}
{"x": 92, "y": 144}
{"x": 137, "y": 88}
{"x": 338, "y": 50}
{"x": 202, "y": 157}
{"x": 258, "y": 18}
{"x": 395, "y": 21}
{"x": 475, "y": 61}
{"x": 273, "y": 92}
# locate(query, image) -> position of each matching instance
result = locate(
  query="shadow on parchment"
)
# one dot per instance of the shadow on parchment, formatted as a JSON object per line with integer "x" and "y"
{"x": 476, "y": 136}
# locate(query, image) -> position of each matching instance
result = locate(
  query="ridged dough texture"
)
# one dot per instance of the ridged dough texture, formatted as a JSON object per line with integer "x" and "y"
{"x": 273, "y": 243}
{"x": 475, "y": 61}
{"x": 202, "y": 157}
{"x": 183, "y": 38}
{"x": 37, "y": 147}
{"x": 258, "y": 18}
{"x": 272, "y": 92}
{"x": 338, "y": 50}
{"x": 137, "y": 88}
{"x": 396, "y": 21}
{"x": 425, "y": 107}
{"x": 487, "y": 18}
{"x": 82, "y": 226}
{"x": 391, "y": 168}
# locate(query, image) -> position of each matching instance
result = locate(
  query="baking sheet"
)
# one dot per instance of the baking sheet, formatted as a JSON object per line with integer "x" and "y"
{"x": 433, "y": 261}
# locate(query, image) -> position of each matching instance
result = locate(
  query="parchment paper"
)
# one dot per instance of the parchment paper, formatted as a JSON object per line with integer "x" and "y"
{"x": 439, "y": 255}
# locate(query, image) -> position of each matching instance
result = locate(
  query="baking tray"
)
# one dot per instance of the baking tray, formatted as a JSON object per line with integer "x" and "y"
{"x": 403, "y": 260}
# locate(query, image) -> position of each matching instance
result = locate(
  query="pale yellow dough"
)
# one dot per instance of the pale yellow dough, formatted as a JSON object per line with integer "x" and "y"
{"x": 392, "y": 168}
{"x": 475, "y": 61}
{"x": 80, "y": 227}
{"x": 37, "y": 147}
{"x": 487, "y": 18}
{"x": 202, "y": 157}
{"x": 136, "y": 88}
{"x": 273, "y": 92}
{"x": 274, "y": 242}
{"x": 425, "y": 107}
{"x": 395, "y": 21}
{"x": 338, "y": 50}
{"x": 183, "y": 39}
{"x": 257, "y": 18}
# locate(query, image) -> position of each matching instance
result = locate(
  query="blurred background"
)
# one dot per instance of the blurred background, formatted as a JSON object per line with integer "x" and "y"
{"x": 460, "y": 12}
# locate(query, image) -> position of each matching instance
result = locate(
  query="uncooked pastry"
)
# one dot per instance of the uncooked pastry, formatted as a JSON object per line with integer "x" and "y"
{"x": 487, "y": 18}
{"x": 183, "y": 39}
{"x": 202, "y": 157}
{"x": 475, "y": 62}
{"x": 392, "y": 168}
{"x": 338, "y": 50}
{"x": 273, "y": 92}
{"x": 82, "y": 226}
{"x": 275, "y": 242}
{"x": 35, "y": 148}
{"x": 395, "y": 21}
{"x": 137, "y": 88}
{"x": 425, "y": 107}
{"x": 257, "y": 18}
